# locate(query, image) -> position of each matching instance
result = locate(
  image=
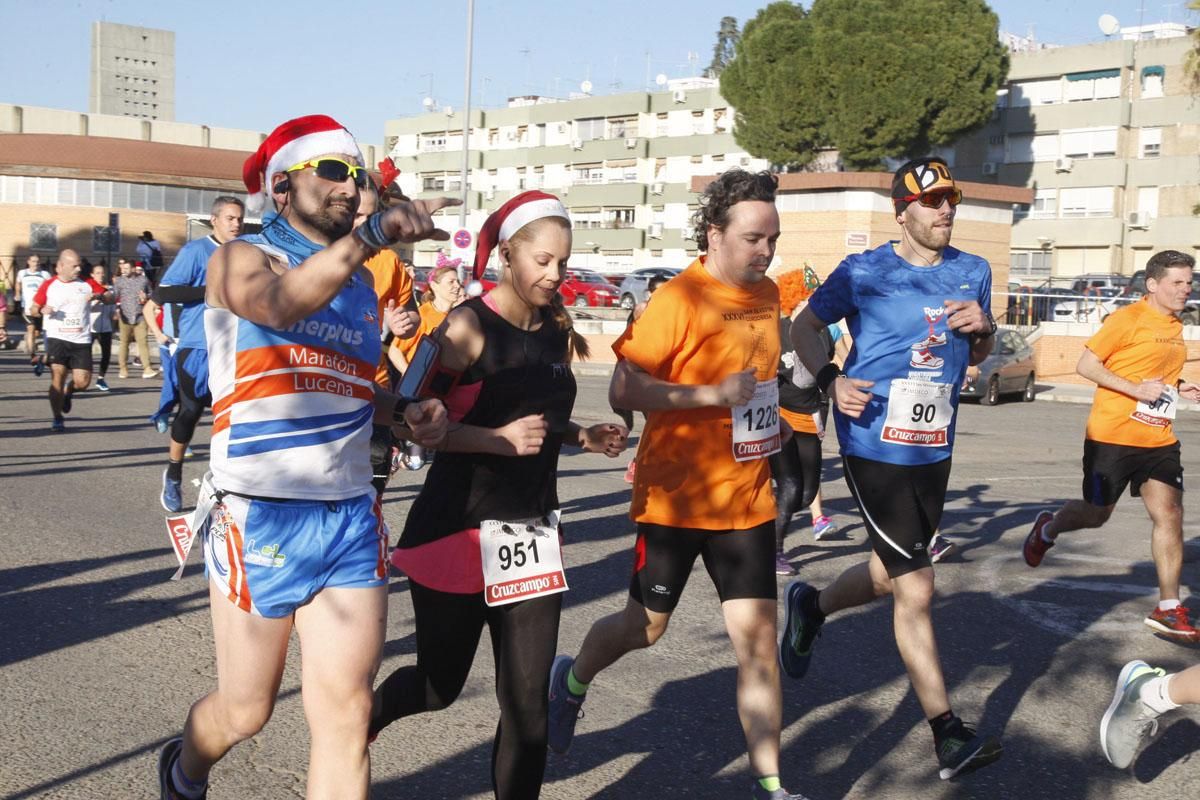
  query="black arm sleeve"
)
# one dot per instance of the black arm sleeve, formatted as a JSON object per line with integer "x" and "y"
{"x": 178, "y": 294}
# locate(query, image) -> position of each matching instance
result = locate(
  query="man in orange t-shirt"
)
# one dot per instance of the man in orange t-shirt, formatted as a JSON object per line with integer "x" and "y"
{"x": 1135, "y": 360}
{"x": 701, "y": 363}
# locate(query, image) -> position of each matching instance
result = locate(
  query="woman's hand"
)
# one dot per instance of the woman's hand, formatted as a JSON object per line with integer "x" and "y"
{"x": 607, "y": 438}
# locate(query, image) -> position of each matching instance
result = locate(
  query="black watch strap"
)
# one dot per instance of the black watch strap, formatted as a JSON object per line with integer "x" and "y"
{"x": 398, "y": 412}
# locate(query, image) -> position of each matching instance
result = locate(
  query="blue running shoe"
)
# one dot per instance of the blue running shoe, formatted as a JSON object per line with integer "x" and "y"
{"x": 172, "y": 494}
{"x": 800, "y": 630}
{"x": 58, "y": 426}
{"x": 160, "y": 423}
{"x": 823, "y": 527}
{"x": 39, "y": 366}
{"x": 565, "y": 707}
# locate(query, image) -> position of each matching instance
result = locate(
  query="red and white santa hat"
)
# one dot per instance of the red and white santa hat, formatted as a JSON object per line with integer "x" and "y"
{"x": 510, "y": 218}
{"x": 291, "y": 143}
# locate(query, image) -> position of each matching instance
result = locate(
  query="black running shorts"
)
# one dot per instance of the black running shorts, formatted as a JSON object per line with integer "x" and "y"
{"x": 1109, "y": 468}
{"x": 36, "y": 322}
{"x": 72, "y": 355}
{"x": 740, "y": 563}
{"x": 901, "y": 507}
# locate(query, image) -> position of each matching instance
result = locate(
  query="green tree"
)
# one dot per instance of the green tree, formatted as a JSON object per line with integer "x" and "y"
{"x": 873, "y": 78}
{"x": 723, "y": 50}
{"x": 1193, "y": 58}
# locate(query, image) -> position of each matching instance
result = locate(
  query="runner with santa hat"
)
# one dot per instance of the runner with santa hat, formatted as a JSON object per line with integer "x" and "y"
{"x": 293, "y": 534}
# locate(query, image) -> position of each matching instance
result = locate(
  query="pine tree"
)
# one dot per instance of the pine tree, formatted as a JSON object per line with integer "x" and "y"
{"x": 724, "y": 49}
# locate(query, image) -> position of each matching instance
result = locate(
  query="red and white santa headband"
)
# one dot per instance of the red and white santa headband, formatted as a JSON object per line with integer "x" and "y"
{"x": 292, "y": 143}
{"x": 510, "y": 218}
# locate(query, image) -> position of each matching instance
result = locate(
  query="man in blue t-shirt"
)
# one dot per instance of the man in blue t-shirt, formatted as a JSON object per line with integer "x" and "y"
{"x": 918, "y": 311}
{"x": 184, "y": 283}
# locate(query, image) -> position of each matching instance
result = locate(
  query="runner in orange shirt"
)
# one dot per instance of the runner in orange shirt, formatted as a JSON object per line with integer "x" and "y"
{"x": 701, "y": 362}
{"x": 1135, "y": 360}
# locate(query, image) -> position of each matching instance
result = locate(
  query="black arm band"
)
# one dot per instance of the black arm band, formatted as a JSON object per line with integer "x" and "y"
{"x": 178, "y": 294}
{"x": 827, "y": 375}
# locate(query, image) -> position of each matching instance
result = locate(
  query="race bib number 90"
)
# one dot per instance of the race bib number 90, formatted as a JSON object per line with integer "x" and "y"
{"x": 918, "y": 413}
{"x": 521, "y": 559}
{"x": 756, "y": 424}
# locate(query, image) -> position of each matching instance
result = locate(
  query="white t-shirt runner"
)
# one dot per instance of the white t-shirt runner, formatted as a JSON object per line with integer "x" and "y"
{"x": 70, "y": 319}
{"x": 30, "y": 281}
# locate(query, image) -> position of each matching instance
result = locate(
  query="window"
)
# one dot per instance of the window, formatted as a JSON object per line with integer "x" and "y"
{"x": 1089, "y": 143}
{"x": 1147, "y": 200}
{"x": 618, "y": 217}
{"x": 588, "y": 129}
{"x": 1029, "y": 264}
{"x": 1095, "y": 85}
{"x": 698, "y": 124}
{"x": 1086, "y": 202}
{"x": 1045, "y": 204}
{"x": 588, "y": 173}
{"x": 433, "y": 143}
{"x": 1023, "y": 149}
{"x": 623, "y": 127}
{"x": 105, "y": 239}
{"x": 1150, "y": 142}
{"x": 1152, "y": 81}
{"x": 43, "y": 236}
{"x": 1036, "y": 93}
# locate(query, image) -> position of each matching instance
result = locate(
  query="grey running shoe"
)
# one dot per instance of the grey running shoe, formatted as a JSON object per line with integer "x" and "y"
{"x": 800, "y": 630}
{"x": 962, "y": 750}
{"x": 166, "y": 763}
{"x": 565, "y": 707}
{"x": 1128, "y": 722}
{"x": 760, "y": 793}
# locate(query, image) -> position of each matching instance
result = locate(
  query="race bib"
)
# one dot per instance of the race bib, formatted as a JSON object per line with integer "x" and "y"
{"x": 183, "y": 528}
{"x": 71, "y": 323}
{"x": 756, "y": 424}
{"x": 1161, "y": 412}
{"x": 918, "y": 413}
{"x": 521, "y": 559}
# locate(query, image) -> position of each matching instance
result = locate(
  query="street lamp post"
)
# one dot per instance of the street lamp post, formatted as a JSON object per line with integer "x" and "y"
{"x": 466, "y": 130}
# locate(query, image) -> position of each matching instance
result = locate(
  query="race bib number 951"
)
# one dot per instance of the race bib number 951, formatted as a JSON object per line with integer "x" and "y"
{"x": 521, "y": 559}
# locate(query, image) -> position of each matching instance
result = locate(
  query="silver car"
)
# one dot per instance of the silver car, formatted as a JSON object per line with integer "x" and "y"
{"x": 633, "y": 288}
{"x": 1007, "y": 370}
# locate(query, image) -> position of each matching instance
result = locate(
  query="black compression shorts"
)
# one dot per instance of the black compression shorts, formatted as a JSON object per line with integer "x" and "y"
{"x": 740, "y": 563}
{"x": 901, "y": 507}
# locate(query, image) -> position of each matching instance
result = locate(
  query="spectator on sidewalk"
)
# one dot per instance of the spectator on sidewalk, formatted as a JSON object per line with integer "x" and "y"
{"x": 132, "y": 292}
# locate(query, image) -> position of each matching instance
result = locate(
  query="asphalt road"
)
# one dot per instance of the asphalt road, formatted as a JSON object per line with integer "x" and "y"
{"x": 100, "y": 655}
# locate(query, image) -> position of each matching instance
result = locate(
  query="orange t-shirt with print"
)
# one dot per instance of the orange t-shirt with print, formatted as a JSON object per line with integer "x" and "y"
{"x": 698, "y": 331}
{"x": 1136, "y": 343}
{"x": 431, "y": 318}
{"x": 392, "y": 282}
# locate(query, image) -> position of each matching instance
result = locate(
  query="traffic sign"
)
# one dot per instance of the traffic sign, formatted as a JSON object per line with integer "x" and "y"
{"x": 462, "y": 238}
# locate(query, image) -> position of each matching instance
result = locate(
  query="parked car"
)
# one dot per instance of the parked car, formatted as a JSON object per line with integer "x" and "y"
{"x": 1008, "y": 369}
{"x": 633, "y": 288}
{"x": 421, "y": 280}
{"x": 1093, "y": 307}
{"x": 1191, "y": 311}
{"x": 582, "y": 287}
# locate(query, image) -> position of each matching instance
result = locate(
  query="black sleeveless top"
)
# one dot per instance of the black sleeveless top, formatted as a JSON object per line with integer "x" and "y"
{"x": 519, "y": 373}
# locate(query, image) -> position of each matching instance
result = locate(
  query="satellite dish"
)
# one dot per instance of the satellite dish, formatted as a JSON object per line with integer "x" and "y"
{"x": 1108, "y": 24}
{"x": 660, "y": 79}
{"x": 427, "y": 102}
{"x": 586, "y": 87}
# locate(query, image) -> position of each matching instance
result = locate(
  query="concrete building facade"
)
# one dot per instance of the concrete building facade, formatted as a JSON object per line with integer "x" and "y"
{"x": 132, "y": 72}
{"x": 623, "y": 164}
{"x": 1107, "y": 135}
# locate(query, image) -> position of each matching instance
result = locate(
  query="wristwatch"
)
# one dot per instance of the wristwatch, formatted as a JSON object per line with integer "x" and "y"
{"x": 992, "y": 321}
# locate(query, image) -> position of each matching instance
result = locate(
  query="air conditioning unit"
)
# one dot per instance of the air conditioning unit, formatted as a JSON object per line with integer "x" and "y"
{"x": 577, "y": 144}
{"x": 689, "y": 232}
{"x": 490, "y": 194}
{"x": 631, "y": 142}
{"x": 1064, "y": 164}
{"x": 679, "y": 96}
{"x": 566, "y": 190}
{"x": 1139, "y": 219}
{"x": 656, "y": 188}
{"x": 655, "y": 231}
{"x": 989, "y": 168}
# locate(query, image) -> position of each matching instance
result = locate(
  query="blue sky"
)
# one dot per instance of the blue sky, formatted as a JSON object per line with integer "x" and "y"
{"x": 255, "y": 63}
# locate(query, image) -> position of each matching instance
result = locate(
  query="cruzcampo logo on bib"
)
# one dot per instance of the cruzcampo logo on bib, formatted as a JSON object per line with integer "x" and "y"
{"x": 521, "y": 559}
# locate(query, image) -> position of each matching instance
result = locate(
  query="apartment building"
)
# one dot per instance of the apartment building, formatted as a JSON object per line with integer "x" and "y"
{"x": 623, "y": 164}
{"x": 1108, "y": 137}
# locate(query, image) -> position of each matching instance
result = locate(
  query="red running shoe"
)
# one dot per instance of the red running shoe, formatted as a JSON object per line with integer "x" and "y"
{"x": 1173, "y": 623}
{"x": 1035, "y": 546}
{"x": 630, "y": 471}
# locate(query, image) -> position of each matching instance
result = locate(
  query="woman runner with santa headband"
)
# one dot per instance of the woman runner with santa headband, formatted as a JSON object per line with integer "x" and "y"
{"x": 481, "y": 545}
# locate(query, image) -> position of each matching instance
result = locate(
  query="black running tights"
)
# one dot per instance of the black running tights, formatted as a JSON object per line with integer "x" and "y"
{"x": 105, "y": 341}
{"x": 524, "y": 638}
{"x": 797, "y": 472}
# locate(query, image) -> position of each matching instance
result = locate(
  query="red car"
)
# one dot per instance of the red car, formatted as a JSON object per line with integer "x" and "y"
{"x": 583, "y": 287}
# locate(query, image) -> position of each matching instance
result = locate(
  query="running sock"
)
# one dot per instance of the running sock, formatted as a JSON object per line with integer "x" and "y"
{"x": 942, "y": 724}
{"x": 175, "y": 470}
{"x": 812, "y": 605}
{"x": 770, "y": 783}
{"x": 1155, "y": 693}
{"x": 1168, "y": 605}
{"x": 574, "y": 685}
{"x": 185, "y": 785}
